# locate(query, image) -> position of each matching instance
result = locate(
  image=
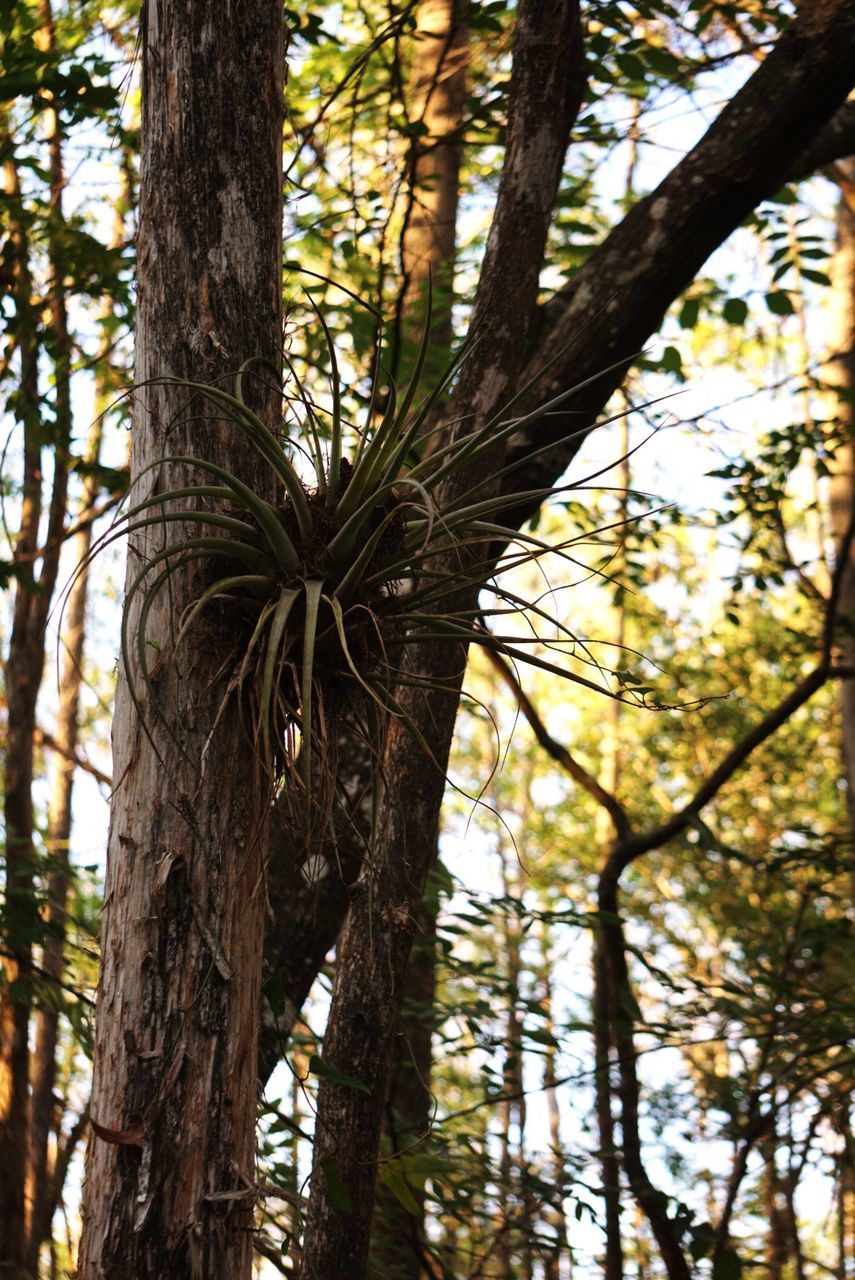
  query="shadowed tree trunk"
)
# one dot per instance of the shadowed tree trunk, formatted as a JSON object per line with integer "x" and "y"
{"x": 399, "y": 1248}
{"x": 170, "y": 1174}
{"x": 308, "y": 916}
{"x": 377, "y": 939}
{"x": 436, "y": 98}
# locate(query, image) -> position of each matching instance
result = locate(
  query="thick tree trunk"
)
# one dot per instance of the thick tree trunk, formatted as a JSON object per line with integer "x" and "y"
{"x": 436, "y": 98}
{"x": 170, "y": 1175}
{"x": 308, "y": 910}
{"x": 399, "y": 1248}
{"x": 308, "y": 916}
{"x": 372, "y": 959}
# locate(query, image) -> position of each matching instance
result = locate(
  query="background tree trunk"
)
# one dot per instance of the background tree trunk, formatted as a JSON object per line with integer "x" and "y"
{"x": 43, "y": 1073}
{"x": 170, "y": 1175}
{"x": 436, "y": 99}
{"x": 841, "y": 373}
{"x": 24, "y": 668}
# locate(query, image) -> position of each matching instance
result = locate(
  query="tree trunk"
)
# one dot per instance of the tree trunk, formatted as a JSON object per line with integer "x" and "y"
{"x": 436, "y": 99}
{"x": 170, "y": 1175}
{"x": 841, "y": 373}
{"x": 608, "y": 1154}
{"x": 783, "y": 124}
{"x": 556, "y": 1216}
{"x": 309, "y": 915}
{"x": 399, "y": 1248}
{"x": 603, "y": 1014}
{"x": 377, "y": 938}
{"x": 24, "y": 667}
{"x": 510, "y": 1229}
{"x": 621, "y": 1001}
{"x": 43, "y": 1074}
{"x": 39, "y": 1191}
{"x": 777, "y": 1243}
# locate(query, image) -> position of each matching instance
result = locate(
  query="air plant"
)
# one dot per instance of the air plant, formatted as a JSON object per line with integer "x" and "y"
{"x": 328, "y": 585}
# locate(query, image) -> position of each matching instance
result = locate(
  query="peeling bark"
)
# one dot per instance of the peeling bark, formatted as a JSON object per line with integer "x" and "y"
{"x": 170, "y": 1185}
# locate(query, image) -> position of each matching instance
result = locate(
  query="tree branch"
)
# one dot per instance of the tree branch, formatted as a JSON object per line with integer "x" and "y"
{"x": 556, "y": 750}
{"x": 836, "y": 141}
{"x": 45, "y": 739}
{"x": 619, "y": 297}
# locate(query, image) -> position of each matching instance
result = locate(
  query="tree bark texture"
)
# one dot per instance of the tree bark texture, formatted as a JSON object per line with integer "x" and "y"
{"x": 437, "y": 96}
{"x": 170, "y": 1171}
{"x": 399, "y": 1249}
{"x": 307, "y": 909}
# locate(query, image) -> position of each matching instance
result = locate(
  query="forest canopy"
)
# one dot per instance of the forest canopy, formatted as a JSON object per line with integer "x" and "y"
{"x": 427, "y": 452}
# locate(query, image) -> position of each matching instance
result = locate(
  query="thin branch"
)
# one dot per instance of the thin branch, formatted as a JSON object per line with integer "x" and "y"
{"x": 626, "y": 850}
{"x": 45, "y": 739}
{"x": 556, "y": 750}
